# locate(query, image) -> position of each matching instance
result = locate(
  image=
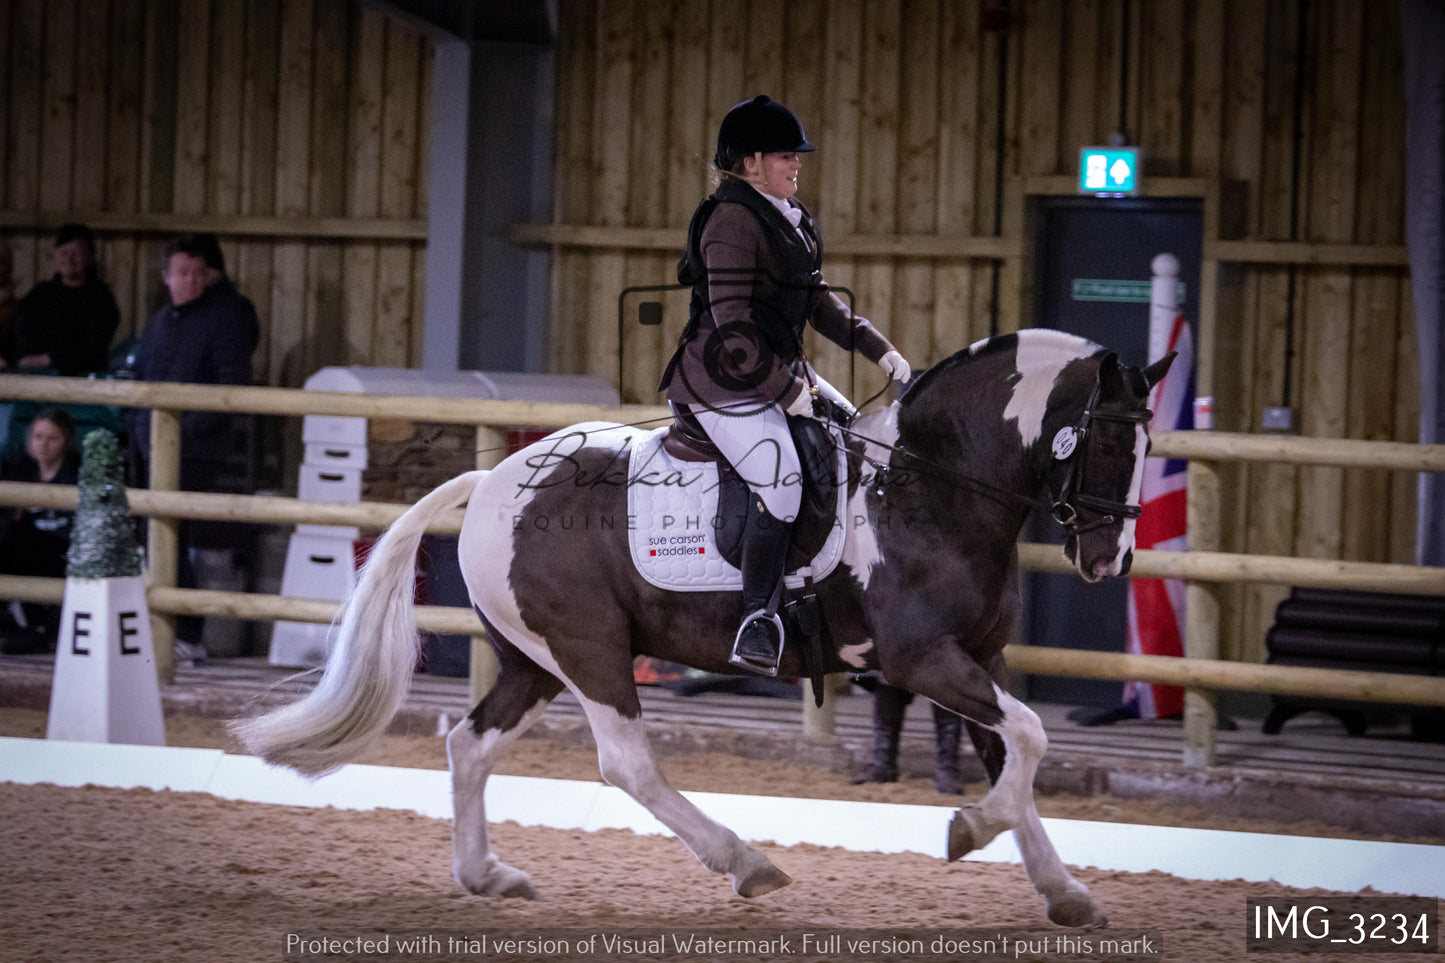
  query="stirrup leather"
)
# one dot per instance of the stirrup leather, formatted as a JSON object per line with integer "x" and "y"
{"x": 769, "y": 669}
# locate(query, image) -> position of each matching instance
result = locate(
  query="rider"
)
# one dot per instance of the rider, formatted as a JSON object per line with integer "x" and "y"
{"x": 753, "y": 258}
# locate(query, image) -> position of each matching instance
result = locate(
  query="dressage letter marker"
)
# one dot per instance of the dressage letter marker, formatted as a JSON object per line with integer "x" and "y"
{"x": 105, "y": 687}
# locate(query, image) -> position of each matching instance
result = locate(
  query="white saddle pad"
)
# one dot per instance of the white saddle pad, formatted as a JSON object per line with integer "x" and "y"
{"x": 671, "y": 505}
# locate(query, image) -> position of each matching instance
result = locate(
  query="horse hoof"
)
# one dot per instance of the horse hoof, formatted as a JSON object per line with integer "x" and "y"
{"x": 761, "y": 881}
{"x": 503, "y": 881}
{"x": 960, "y": 836}
{"x": 1076, "y": 910}
{"x": 518, "y": 889}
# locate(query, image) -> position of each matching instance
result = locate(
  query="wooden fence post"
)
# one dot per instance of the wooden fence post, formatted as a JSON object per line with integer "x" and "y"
{"x": 163, "y": 534}
{"x": 1201, "y": 614}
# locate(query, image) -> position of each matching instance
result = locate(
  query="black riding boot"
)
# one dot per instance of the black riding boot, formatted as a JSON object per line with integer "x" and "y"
{"x": 758, "y": 646}
{"x": 889, "y": 706}
{"x": 947, "y": 776}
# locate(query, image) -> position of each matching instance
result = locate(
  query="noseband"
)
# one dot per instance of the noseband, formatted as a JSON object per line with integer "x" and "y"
{"x": 1071, "y": 445}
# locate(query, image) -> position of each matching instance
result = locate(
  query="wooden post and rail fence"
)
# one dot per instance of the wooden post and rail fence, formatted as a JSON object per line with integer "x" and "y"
{"x": 1203, "y": 567}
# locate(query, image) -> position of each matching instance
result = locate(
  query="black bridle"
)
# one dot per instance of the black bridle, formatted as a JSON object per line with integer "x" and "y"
{"x": 1066, "y": 504}
{"x": 1070, "y": 499}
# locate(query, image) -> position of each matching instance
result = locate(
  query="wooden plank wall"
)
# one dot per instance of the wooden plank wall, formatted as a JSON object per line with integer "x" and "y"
{"x": 1294, "y": 104}
{"x": 149, "y": 117}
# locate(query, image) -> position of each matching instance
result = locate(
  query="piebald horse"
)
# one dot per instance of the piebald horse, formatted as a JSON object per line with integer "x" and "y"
{"x": 926, "y": 593}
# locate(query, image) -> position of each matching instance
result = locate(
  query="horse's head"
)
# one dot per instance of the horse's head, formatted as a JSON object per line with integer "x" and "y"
{"x": 1097, "y": 464}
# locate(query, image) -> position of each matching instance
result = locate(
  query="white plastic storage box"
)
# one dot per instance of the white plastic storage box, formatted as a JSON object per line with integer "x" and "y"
{"x": 326, "y": 483}
{"x": 318, "y": 566}
{"x": 334, "y": 456}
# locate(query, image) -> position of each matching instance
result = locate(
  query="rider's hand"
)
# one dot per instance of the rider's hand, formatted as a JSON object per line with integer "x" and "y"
{"x": 802, "y": 406}
{"x": 895, "y": 365}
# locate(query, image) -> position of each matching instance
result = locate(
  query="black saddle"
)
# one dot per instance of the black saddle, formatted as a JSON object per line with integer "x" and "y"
{"x": 818, "y": 455}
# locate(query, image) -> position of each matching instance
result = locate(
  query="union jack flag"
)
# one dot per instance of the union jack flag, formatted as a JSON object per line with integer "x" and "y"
{"x": 1156, "y": 606}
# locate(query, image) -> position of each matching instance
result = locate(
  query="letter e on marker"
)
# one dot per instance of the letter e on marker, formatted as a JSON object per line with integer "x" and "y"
{"x": 77, "y": 633}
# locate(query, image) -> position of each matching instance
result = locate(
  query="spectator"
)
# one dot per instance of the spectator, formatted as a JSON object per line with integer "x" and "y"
{"x": 205, "y": 334}
{"x": 33, "y": 541}
{"x": 889, "y": 706}
{"x": 64, "y": 324}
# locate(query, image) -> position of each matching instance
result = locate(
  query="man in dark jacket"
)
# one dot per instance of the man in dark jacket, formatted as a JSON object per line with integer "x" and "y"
{"x": 206, "y": 334}
{"x": 64, "y": 324}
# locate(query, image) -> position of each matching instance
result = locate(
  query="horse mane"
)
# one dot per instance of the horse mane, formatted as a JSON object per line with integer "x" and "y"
{"x": 1083, "y": 347}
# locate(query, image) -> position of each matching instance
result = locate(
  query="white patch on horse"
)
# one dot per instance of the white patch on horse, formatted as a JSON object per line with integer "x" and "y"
{"x": 1136, "y": 488}
{"x": 1040, "y": 358}
{"x": 1006, "y": 805}
{"x": 856, "y": 655}
{"x": 860, "y": 549}
{"x": 487, "y": 545}
{"x": 626, "y": 761}
{"x": 471, "y": 759}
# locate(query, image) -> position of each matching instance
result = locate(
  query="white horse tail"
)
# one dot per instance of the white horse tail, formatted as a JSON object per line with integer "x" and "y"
{"x": 371, "y": 663}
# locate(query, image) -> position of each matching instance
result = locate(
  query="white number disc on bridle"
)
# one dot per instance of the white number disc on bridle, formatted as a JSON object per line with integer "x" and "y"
{"x": 1065, "y": 442}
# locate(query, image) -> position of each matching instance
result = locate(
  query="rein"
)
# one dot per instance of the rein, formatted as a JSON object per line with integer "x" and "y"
{"x": 1065, "y": 508}
{"x": 1065, "y": 505}
{"x": 928, "y": 467}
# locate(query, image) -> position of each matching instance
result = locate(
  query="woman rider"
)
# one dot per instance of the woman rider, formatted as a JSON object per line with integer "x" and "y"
{"x": 753, "y": 259}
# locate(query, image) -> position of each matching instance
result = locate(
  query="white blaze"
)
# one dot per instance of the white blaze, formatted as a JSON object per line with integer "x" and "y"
{"x": 1136, "y": 486}
{"x": 1042, "y": 354}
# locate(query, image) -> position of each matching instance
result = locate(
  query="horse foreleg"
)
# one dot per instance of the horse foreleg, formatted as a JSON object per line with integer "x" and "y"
{"x": 1005, "y": 806}
{"x": 627, "y": 762}
{"x": 1067, "y": 899}
{"x": 473, "y": 748}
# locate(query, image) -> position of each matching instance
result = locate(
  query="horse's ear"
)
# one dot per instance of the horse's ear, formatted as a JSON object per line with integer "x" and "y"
{"x": 1155, "y": 372}
{"x": 1108, "y": 367}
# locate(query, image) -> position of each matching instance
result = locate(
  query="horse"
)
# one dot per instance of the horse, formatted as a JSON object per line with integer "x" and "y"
{"x": 926, "y": 593}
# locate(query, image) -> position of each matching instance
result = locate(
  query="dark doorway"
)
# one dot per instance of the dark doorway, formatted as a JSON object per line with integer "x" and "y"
{"x": 1083, "y": 243}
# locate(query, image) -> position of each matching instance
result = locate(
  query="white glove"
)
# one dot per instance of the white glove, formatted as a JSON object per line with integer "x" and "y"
{"x": 802, "y": 406}
{"x": 895, "y": 365}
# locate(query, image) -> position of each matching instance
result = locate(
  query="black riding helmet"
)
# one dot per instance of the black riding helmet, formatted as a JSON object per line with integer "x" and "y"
{"x": 755, "y": 126}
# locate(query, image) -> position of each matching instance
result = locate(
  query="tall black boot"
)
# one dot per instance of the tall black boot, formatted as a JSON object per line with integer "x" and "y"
{"x": 947, "y": 776}
{"x": 758, "y": 646}
{"x": 889, "y": 705}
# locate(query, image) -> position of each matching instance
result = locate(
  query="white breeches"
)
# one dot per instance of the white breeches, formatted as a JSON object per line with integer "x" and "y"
{"x": 761, "y": 450}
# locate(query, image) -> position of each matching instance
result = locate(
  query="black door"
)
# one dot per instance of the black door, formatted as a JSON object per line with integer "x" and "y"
{"x": 1084, "y": 244}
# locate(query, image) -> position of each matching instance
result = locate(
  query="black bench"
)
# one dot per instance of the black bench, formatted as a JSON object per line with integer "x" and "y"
{"x": 1365, "y": 631}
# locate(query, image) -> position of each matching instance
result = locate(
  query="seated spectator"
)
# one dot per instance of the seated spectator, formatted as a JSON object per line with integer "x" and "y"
{"x": 205, "y": 334}
{"x": 33, "y": 541}
{"x": 65, "y": 324}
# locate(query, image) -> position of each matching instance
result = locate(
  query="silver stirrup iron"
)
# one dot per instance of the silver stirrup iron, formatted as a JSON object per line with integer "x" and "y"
{"x": 762, "y": 668}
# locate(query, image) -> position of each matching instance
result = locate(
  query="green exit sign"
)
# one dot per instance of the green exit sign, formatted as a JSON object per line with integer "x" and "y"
{"x": 1109, "y": 170}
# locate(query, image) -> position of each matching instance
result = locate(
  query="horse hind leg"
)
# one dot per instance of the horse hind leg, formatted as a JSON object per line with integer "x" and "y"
{"x": 627, "y": 762}
{"x": 1067, "y": 900}
{"x": 521, "y": 694}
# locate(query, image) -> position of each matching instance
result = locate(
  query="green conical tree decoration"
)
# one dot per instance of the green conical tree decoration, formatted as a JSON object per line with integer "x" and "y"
{"x": 102, "y": 539}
